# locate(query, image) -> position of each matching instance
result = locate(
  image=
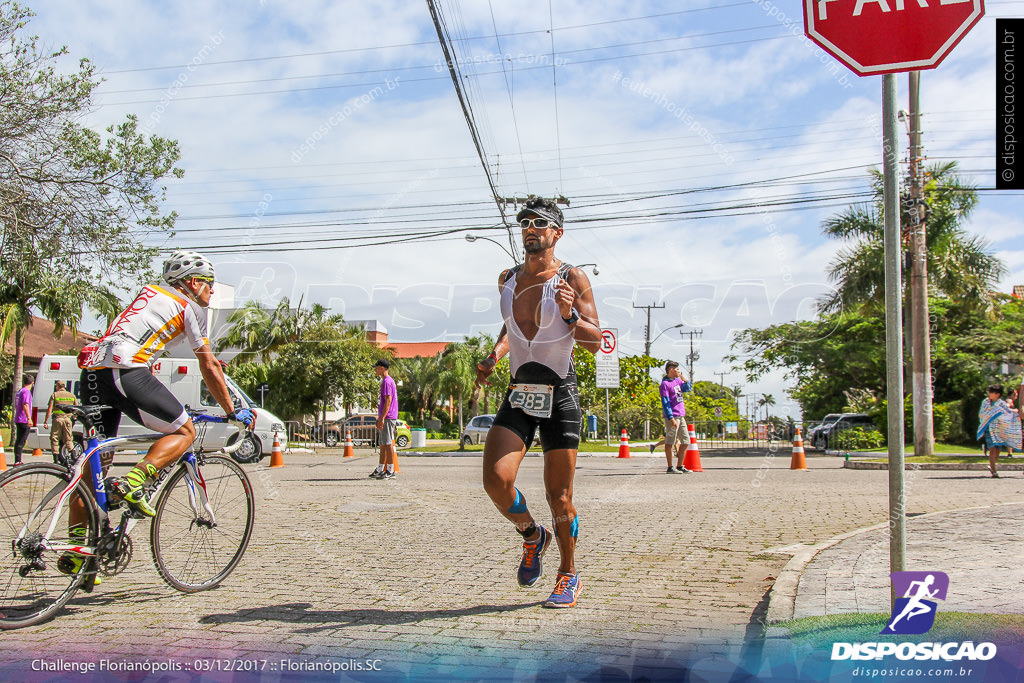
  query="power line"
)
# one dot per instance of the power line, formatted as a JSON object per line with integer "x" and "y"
{"x": 467, "y": 113}
{"x": 423, "y": 43}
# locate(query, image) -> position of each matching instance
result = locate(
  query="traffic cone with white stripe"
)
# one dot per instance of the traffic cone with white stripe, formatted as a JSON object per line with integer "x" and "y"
{"x": 350, "y": 452}
{"x": 799, "y": 460}
{"x": 3, "y": 456}
{"x": 691, "y": 460}
{"x": 624, "y": 445}
{"x": 37, "y": 453}
{"x": 276, "y": 456}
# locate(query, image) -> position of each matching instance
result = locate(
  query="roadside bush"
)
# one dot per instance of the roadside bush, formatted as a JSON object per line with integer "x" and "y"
{"x": 949, "y": 423}
{"x": 858, "y": 438}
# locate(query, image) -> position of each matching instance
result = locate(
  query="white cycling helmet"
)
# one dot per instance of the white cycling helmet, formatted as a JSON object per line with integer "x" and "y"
{"x": 185, "y": 264}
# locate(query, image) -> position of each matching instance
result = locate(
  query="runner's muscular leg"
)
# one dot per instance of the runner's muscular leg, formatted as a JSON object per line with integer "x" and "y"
{"x": 503, "y": 453}
{"x": 559, "y": 470}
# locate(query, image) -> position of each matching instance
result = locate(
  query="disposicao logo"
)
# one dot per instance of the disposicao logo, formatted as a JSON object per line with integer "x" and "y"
{"x": 914, "y": 613}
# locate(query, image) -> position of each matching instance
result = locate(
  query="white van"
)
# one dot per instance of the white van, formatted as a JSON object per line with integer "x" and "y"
{"x": 183, "y": 377}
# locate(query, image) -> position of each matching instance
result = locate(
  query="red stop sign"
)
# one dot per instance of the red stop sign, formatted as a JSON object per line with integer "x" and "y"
{"x": 885, "y": 36}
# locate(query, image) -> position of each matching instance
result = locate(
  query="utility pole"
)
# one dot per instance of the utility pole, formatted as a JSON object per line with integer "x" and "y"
{"x": 694, "y": 355}
{"x": 647, "y": 329}
{"x": 721, "y": 380}
{"x": 924, "y": 438}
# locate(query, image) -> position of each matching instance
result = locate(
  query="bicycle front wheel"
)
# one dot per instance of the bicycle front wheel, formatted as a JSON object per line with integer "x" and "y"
{"x": 36, "y": 581}
{"x": 192, "y": 550}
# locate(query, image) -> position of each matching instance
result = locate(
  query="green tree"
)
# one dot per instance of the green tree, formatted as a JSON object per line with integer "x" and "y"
{"x": 960, "y": 265}
{"x": 77, "y": 208}
{"x": 310, "y": 376}
{"x": 260, "y": 332}
{"x": 457, "y": 372}
{"x": 419, "y": 381}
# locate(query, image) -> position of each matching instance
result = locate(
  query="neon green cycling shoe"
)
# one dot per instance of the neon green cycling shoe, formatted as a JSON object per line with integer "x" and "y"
{"x": 133, "y": 494}
{"x": 70, "y": 564}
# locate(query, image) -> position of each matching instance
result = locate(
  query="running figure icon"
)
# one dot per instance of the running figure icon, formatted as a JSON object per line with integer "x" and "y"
{"x": 919, "y": 590}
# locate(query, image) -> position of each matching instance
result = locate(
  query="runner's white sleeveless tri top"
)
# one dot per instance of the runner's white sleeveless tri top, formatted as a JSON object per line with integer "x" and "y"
{"x": 552, "y": 345}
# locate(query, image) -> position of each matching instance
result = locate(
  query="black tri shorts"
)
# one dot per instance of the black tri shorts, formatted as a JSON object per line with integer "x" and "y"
{"x": 135, "y": 393}
{"x": 562, "y": 429}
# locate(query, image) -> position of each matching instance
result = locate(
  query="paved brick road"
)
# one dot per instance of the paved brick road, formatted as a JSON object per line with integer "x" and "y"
{"x": 421, "y": 569}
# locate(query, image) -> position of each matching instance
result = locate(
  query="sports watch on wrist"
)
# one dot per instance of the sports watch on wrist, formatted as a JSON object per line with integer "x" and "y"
{"x": 573, "y": 318}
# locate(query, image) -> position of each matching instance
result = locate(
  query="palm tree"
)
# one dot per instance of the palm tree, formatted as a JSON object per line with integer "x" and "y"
{"x": 56, "y": 299}
{"x": 420, "y": 375}
{"x": 960, "y": 265}
{"x": 260, "y": 331}
{"x": 767, "y": 401}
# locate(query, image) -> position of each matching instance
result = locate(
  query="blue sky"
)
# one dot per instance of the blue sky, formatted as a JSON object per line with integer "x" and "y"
{"x": 688, "y": 138}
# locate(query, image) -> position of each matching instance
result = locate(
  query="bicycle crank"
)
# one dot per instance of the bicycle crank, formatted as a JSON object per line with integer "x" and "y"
{"x": 114, "y": 561}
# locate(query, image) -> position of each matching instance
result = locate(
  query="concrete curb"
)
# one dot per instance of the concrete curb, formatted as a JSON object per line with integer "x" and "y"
{"x": 782, "y": 599}
{"x": 862, "y": 465}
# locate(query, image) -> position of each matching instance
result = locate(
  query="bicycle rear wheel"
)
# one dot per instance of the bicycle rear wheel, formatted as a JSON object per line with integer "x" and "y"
{"x": 36, "y": 582}
{"x": 190, "y": 553}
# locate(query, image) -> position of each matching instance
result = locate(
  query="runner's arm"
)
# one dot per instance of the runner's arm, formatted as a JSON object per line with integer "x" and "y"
{"x": 587, "y": 330}
{"x": 485, "y": 367}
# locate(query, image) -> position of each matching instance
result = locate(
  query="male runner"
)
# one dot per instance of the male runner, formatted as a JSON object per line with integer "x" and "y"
{"x": 548, "y": 307}
{"x": 116, "y": 370}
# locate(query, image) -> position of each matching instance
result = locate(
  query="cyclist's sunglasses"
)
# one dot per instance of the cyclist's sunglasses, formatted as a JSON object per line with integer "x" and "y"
{"x": 207, "y": 280}
{"x": 539, "y": 223}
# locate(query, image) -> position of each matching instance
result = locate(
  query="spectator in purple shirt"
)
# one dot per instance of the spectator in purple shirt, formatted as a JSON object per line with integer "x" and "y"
{"x": 22, "y": 416}
{"x": 387, "y": 422}
{"x": 674, "y": 412}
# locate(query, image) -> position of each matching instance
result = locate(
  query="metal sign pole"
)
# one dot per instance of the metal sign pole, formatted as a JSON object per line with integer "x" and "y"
{"x": 607, "y": 421}
{"x": 893, "y": 327}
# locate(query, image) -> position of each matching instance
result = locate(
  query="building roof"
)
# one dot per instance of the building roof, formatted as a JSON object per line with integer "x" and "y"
{"x": 39, "y": 341}
{"x": 413, "y": 349}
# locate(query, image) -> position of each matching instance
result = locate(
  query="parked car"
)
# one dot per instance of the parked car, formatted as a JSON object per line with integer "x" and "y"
{"x": 364, "y": 430}
{"x": 476, "y": 431}
{"x": 826, "y": 436}
{"x": 825, "y": 421}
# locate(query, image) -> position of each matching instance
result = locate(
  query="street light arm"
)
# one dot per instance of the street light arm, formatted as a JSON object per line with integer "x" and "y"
{"x": 666, "y": 330}
{"x": 474, "y": 238}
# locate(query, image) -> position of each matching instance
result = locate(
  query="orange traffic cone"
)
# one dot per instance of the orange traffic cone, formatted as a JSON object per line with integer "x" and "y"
{"x": 624, "y": 445}
{"x": 350, "y": 452}
{"x": 37, "y": 453}
{"x": 276, "y": 456}
{"x": 3, "y": 456}
{"x": 799, "y": 461}
{"x": 691, "y": 460}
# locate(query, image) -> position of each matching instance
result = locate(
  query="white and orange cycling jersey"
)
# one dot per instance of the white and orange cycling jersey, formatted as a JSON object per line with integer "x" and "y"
{"x": 142, "y": 332}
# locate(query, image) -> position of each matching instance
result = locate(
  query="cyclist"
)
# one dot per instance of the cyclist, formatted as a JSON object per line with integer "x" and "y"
{"x": 548, "y": 307}
{"x": 116, "y": 370}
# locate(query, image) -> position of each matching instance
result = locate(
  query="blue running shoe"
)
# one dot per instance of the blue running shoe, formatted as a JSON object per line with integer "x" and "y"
{"x": 567, "y": 589}
{"x": 530, "y": 568}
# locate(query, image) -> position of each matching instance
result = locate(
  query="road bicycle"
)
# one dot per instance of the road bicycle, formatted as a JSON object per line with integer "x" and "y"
{"x": 60, "y": 535}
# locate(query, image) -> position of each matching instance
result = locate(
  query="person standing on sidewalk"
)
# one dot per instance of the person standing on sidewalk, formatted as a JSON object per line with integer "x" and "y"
{"x": 673, "y": 386}
{"x": 548, "y": 308}
{"x": 387, "y": 422}
{"x": 998, "y": 425}
{"x": 60, "y": 429}
{"x": 22, "y": 416}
